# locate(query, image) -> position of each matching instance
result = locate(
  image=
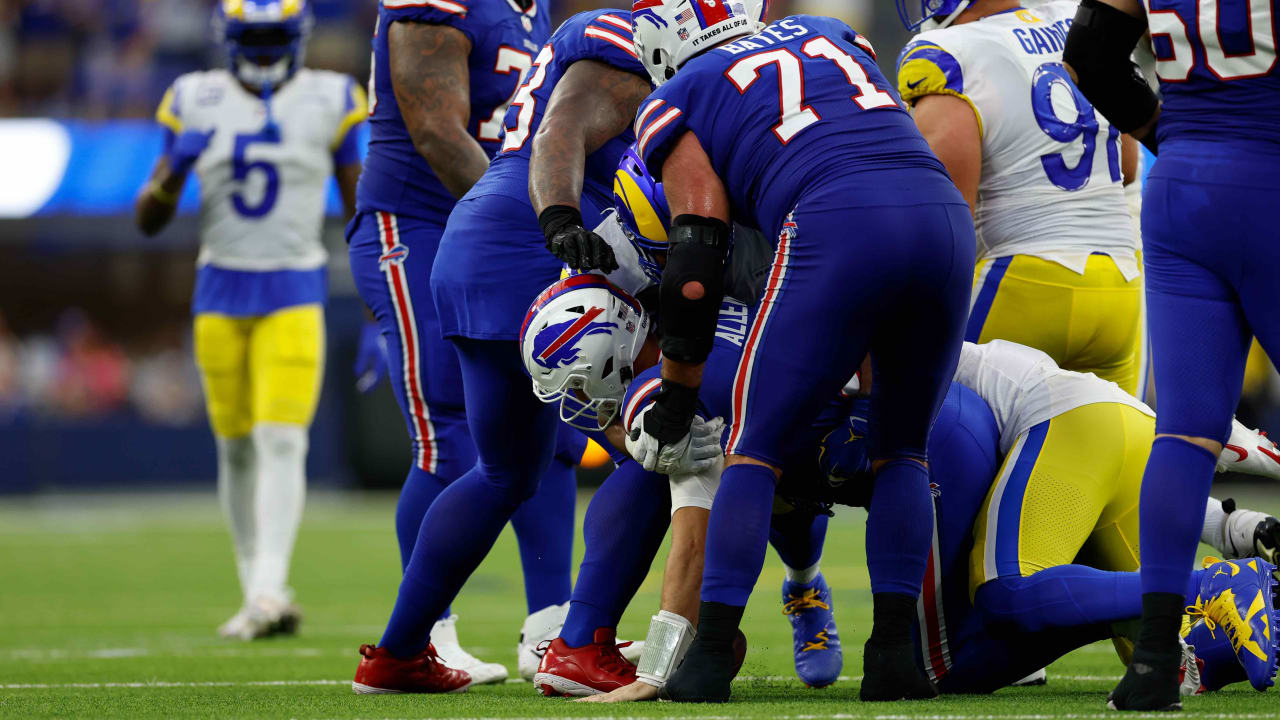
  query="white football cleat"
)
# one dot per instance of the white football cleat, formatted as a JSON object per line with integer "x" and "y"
{"x": 444, "y": 636}
{"x": 1250, "y": 452}
{"x": 540, "y": 627}
{"x": 1039, "y": 677}
{"x": 631, "y": 650}
{"x": 263, "y": 617}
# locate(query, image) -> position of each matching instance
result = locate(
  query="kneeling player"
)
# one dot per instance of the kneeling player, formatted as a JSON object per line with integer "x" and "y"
{"x": 582, "y": 350}
{"x": 1035, "y": 468}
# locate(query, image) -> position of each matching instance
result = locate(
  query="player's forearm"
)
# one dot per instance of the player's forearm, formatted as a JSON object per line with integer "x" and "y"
{"x": 593, "y": 103}
{"x": 687, "y": 374}
{"x": 682, "y": 578}
{"x": 348, "y": 177}
{"x": 158, "y": 201}
{"x": 430, "y": 79}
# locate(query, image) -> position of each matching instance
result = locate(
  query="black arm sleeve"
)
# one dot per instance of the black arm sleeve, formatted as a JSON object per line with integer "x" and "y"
{"x": 1098, "y": 47}
{"x": 697, "y": 251}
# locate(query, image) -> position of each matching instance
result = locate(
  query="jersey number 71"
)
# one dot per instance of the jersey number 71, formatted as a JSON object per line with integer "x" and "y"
{"x": 796, "y": 115}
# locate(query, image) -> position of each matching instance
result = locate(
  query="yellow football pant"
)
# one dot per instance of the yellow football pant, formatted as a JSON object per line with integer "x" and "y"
{"x": 1087, "y": 323}
{"x": 1067, "y": 493}
{"x": 261, "y": 369}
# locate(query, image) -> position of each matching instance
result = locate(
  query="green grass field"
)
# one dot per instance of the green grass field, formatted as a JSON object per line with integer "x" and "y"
{"x": 108, "y": 607}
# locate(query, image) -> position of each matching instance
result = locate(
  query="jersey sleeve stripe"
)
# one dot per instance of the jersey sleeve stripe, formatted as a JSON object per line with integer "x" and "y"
{"x": 615, "y": 21}
{"x": 448, "y": 6}
{"x": 663, "y": 120}
{"x": 610, "y": 37}
{"x": 644, "y": 114}
{"x": 357, "y": 110}
{"x": 165, "y": 114}
{"x": 639, "y": 400}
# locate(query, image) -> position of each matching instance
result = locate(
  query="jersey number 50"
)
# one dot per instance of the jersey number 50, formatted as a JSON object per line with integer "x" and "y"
{"x": 796, "y": 115}
{"x": 1247, "y": 49}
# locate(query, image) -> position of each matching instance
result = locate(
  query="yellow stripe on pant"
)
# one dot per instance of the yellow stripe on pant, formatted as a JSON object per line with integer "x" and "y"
{"x": 1067, "y": 492}
{"x": 1086, "y": 323}
{"x": 261, "y": 369}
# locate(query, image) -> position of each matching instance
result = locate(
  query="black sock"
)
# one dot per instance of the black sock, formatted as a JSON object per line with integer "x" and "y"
{"x": 1161, "y": 623}
{"x": 718, "y": 623}
{"x": 891, "y": 617}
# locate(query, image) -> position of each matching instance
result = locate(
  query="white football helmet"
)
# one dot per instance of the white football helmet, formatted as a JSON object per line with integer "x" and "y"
{"x": 579, "y": 342}
{"x": 669, "y": 32}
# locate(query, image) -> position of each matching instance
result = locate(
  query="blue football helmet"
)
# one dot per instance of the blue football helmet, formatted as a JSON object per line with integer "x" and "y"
{"x": 265, "y": 39}
{"x": 642, "y": 210}
{"x": 933, "y": 13}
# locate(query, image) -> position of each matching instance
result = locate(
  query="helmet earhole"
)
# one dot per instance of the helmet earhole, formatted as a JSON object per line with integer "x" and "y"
{"x": 607, "y": 370}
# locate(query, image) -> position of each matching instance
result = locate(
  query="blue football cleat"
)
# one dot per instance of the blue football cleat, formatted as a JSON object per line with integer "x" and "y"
{"x": 816, "y": 642}
{"x": 1237, "y": 599}
{"x": 1216, "y": 658}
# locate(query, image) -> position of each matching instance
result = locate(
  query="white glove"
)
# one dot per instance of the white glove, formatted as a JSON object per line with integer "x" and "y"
{"x": 695, "y": 452}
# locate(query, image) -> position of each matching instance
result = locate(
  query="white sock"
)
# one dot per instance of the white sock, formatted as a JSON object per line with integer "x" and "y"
{"x": 803, "y": 577}
{"x": 282, "y": 488}
{"x": 237, "y": 475}
{"x": 1214, "y": 516}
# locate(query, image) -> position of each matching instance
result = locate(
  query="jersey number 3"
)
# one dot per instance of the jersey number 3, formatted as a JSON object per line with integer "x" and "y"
{"x": 796, "y": 115}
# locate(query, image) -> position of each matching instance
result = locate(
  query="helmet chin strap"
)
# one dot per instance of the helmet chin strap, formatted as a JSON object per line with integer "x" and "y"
{"x": 932, "y": 24}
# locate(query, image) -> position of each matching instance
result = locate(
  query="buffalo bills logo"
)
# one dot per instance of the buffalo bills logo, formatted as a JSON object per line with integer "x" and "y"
{"x": 645, "y": 9}
{"x": 395, "y": 256}
{"x": 556, "y": 346}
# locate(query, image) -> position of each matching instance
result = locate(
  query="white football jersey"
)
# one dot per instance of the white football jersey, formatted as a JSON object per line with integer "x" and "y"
{"x": 262, "y": 196}
{"x": 629, "y": 277}
{"x": 1024, "y": 387}
{"x": 1051, "y": 183}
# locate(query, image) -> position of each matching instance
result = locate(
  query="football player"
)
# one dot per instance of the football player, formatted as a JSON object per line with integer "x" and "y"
{"x": 443, "y": 74}
{"x": 793, "y": 127}
{"x": 1037, "y": 473}
{"x": 264, "y": 135}
{"x": 491, "y": 264}
{"x": 1208, "y": 235}
{"x": 1058, "y": 265}
{"x": 586, "y": 375}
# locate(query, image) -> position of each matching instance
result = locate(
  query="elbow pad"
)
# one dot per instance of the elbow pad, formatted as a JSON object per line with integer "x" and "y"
{"x": 1098, "y": 47}
{"x": 697, "y": 248}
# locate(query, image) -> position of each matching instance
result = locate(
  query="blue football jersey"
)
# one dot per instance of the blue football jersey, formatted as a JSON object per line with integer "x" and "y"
{"x": 504, "y": 40}
{"x": 1216, "y": 60}
{"x": 599, "y": 35}
{"x": 798, "y": 107}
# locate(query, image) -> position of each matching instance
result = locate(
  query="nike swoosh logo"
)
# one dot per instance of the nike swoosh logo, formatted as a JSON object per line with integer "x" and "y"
{"x": 1241, "y": 452}
{"x": 912, "y": 85}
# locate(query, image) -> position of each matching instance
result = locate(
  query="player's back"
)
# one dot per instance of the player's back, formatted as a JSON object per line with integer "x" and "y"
{"x": 263, "y": 187}
{"x": 1051, "y": 178}
{"x": 1219, "y": 78}
{"x": 504, "y": 40}
{"x": 598, "y": 35}
{"x": 797, "y": 108}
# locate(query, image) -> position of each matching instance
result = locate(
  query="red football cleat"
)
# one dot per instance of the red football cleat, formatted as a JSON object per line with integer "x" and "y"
{"x": 587, "y": 670}
{"x": 381, "y": 673}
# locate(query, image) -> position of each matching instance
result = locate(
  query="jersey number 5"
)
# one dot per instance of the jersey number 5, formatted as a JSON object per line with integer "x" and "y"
{"x": 796, "y": 115}
{"x": 241, "y": 167}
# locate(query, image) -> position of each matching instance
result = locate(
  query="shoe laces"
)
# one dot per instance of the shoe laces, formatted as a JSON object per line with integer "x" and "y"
{"x": 819, "y": 642}
{"x": 612, "y": 661}
{"x": 1222, "y": 611}
{"x": 807, "y": 600}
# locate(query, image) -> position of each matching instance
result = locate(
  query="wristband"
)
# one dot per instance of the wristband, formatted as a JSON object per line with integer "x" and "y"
{"x": 556, "y": 218}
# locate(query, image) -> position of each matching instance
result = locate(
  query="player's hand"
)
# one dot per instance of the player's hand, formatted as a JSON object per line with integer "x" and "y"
{"x": 634, "y": 692}
{"x": 573, "y": 244}
{"x": 186, "y": 149}
{"x": 581, "y": 249}
{"x": 695, "y": 452}
{"x": 371, "y": 357}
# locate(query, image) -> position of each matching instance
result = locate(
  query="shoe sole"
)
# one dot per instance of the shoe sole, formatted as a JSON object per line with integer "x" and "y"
{"x": 362, "y": 689}
{"x": 554, "y": 685}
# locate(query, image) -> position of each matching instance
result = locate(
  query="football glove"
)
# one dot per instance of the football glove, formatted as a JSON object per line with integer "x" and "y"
{"x": 575, "y": 246}
{"x": 694, "y": 452}
{"x": 186, "y": 149}
{"x": 371, "y": 357}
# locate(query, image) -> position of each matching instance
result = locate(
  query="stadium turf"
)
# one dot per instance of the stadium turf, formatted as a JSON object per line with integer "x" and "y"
{"x": 108, "y": 607}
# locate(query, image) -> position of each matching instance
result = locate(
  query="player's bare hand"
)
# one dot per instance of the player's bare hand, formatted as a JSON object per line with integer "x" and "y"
{"x": 634, "y": 692}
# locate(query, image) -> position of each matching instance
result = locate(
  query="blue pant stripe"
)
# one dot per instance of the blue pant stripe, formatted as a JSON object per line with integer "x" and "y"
{"x": 986, "y": 295}
{"x": 1010, "y": 513}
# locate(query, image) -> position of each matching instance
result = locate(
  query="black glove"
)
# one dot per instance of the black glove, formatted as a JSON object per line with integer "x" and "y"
{"x": 576, "y": 246}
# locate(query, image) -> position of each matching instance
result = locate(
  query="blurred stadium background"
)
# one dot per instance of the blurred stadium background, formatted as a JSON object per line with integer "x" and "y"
{"x": 98, "y": 389}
